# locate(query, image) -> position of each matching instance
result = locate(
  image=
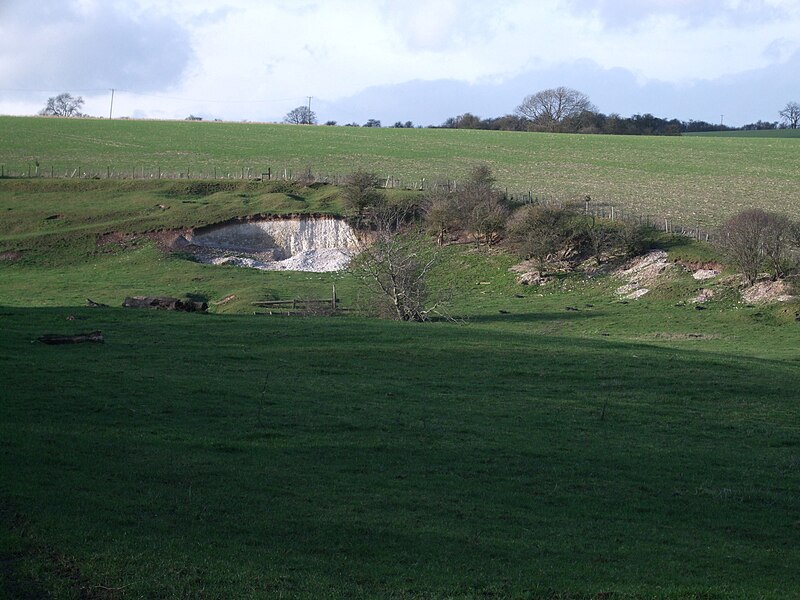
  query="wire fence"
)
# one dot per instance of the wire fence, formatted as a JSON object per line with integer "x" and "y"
{"x": 603, "y": 209}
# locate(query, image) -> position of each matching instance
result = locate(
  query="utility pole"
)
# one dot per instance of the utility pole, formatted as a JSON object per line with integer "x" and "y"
{"x": 111, "y": 110}
{"x": 308, "y": 114}
{"x": 722, "y": 119}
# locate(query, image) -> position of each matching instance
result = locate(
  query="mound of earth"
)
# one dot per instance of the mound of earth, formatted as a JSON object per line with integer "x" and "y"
{"x": 316, "y": 261}
{"x": 703, "y": 274}
{"x": 641, "y": 272}
{"x": 767, "y": 292}
{"x": 703, "y": 296}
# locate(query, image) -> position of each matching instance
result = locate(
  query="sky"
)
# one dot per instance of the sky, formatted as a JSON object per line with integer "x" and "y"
{"x": 735, "y": 61}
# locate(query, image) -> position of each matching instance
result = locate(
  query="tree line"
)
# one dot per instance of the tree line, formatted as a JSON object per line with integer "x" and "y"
{"x": 565, "y": 110}
{"x": 557, "y": 110}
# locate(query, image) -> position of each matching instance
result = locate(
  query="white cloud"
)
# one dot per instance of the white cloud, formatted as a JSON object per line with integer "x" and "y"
{"x": 258, "y": 59}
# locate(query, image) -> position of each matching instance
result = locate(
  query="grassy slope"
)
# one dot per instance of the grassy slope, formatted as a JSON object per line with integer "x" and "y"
{"x": 688, "y": 178}
{"x": 477, "y": 463}
{"x": 646, "y": 448}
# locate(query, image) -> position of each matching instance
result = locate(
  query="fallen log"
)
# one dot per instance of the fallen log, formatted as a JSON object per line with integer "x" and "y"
{"x": 80, "y": 338}
{"x": 225, "y": 300}
{"x": 92, "y": 304}
{"x": 164, "y": 303}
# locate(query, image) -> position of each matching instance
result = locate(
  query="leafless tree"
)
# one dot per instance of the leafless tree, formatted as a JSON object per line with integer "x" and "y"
{"x": 63, "y": 105}
{"x": 549, "y": 108}
{"x": 480, "y": 206}
{"x": 302, "y": 115}
{"x": 440, "y": 208}
{"x": 756, "y": 240}
{"x": 791, "y": 114}
{"x": 395, "y": 265}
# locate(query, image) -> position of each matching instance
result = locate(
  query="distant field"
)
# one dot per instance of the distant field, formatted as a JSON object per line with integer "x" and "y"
{"x": 767, "y": 133}
{"x": 690, "y": 179}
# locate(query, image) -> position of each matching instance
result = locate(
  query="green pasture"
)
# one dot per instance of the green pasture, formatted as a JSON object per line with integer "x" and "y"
{"x": 761, "y": 133}
{"x": 689, "y": 179}
{"x": 545, "y": 443}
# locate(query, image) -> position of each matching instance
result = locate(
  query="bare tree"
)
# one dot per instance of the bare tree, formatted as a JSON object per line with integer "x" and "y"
{"x": 791, "y": 114}
{"x": 395, "y": 268}
{"x": 63, "y": 105}
{"x": 549, "y": 108}
{"x": 441, "y": 213}
{"x": 480, "y": 207}
{"x": 302, "y": 115}
{"x": 756, "y": 240}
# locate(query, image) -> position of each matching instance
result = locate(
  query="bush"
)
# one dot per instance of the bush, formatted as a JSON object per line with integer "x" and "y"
{"x": 361, "y": 193}
{"x": 545, "y": 233}
{"x": 756, "y": 240}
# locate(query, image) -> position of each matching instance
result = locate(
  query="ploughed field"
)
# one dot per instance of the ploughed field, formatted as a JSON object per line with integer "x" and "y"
{"x": 689, "y": 179}
{"x": 552, "y": 442}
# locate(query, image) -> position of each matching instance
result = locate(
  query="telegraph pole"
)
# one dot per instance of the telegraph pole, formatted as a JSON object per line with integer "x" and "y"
{"x": 308, "y": 115}
{"x": 111, "y": 110}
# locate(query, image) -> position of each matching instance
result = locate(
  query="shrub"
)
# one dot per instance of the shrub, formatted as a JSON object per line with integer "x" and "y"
{"x": 361, "y": 193}
{"x": 545, "y": 233}
{"x": 756, "y": 240}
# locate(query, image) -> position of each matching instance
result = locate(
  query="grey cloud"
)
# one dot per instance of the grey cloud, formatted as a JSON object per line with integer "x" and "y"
{"x": 59, "y": 47}
{"x": 743, "y": 98}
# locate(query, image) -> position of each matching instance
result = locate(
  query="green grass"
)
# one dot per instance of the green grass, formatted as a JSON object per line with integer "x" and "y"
{"x": 233, "y": 456}
{"x": 554, "y": 443}
{"x": 761, "y": 133}
{"x": 687, "y": 178}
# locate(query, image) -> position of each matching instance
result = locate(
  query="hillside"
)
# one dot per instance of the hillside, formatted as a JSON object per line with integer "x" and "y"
{"x": 688, "y": 179}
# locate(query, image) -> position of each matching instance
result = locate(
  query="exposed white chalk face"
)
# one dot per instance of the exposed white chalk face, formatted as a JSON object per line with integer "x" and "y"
{"x": 315, "y": 244}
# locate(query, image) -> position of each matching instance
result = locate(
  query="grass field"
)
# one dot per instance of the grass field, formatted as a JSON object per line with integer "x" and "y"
{"x": 762, "y": 133}
{"x": 553, "y": 443}
{"x": 689, "y": 179}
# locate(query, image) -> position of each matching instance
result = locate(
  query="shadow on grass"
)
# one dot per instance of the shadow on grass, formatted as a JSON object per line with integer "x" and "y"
{"x": 576, "y": 314}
